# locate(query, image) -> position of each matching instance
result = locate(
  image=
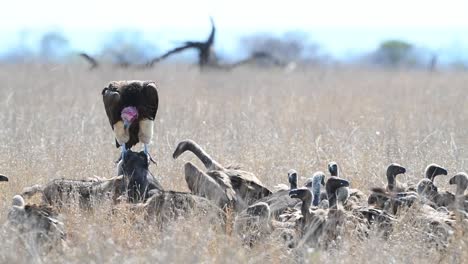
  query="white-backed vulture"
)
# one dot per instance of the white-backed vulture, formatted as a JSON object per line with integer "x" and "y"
{"x": 60, "y": 192}
{"x": 40, "y": 221}
{"x": 357, "y": 197}
{"x": 248, "y": 188}
{"x": 391, "y": 202}
{"x": 253, "y": 223}
{"x": 461, "y": 181}
{"x": 428, "y": 190}
{"x": 165, "y": 206}
{"x": 435, "y": 226}
{"x": 213, "y": 185}
{"x": 430, "y": 172}
{"x": 333, "y": 184}
{"x": 131, "y": 108}
{"x": 280, "y": 201}
{"x": 315, "y": 223}
{"x": 393, "y": 185}
{"x": 138, "y": 182}
{"x": 433, "y": 170}
{"x": 315, "y": 184}
{"x": 443, "y": 198}
{"x": 311, "y": 222}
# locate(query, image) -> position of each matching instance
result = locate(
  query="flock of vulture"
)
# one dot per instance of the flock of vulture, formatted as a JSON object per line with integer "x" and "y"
{"x": 316, "y": 213}
{"x": 206, "y": 56}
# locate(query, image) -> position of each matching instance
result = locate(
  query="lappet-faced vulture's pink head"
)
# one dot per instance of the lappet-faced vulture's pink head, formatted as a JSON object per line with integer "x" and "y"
{"x": 129, "y": 115}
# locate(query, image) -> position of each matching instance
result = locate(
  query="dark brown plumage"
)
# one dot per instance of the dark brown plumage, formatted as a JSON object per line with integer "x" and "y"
{"x": 246, "y": 186}
{"x": 143, "y": 96}
{"x": 213, "y": 185}
{"x": 60, "y": 192}
{"x": 320, "y": 225}
{"x": 392, "y": 202}
{"x": 168, "y": 206}
{"x": 429, "y": 191}
{"x": 332, "y": 185}
{"x": 434, "y": 170}
{"x": 461, "y": 180}
{"x": 393, "y": 185}
{"x": 40, "y": 221}
{"x": 138, "y": 181}
{"x": 280, "y": 201}
{"x": 253, "y": 223}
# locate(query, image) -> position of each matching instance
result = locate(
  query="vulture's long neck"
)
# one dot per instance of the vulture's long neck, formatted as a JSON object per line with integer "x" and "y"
{"x": 331, "y": 193}
{"x": 391, "y": 180}
{"x": 430, "y": 175}
{"x": 335, "y": 172}
{"x": 305, "y": 208}
{"x": 461, "y": 187}
{"x": 209, "y": 162}
{"x": 293, "y": 184}
{"x": 316, "y": 192}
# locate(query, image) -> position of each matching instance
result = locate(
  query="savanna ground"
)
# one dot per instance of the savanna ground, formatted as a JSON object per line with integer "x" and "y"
{"x": 53, "y": 125}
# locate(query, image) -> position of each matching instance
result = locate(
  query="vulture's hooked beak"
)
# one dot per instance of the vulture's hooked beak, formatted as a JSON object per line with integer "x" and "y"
{"x": 126, "y": 124}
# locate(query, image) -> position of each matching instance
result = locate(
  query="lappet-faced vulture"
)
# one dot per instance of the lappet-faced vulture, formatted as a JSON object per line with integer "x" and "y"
{"x": 131, "y": 107}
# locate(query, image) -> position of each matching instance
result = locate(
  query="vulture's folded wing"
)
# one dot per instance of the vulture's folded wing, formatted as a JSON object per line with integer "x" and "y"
{"x": 149, "y": 106}
{"x": 111, "y": 99}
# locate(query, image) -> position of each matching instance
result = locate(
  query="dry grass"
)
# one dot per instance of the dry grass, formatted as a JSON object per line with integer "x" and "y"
{"x": 54, "y": 125}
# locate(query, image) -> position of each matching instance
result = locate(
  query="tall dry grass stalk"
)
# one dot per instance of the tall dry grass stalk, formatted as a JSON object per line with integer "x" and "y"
{"x": 53, "y": 125}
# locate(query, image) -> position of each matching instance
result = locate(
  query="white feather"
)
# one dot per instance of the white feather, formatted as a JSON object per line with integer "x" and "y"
{"x": 121, "y": 134}
{"x": 146, "y": 131}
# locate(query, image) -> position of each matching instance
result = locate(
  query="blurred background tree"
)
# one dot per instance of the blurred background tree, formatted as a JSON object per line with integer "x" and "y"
{"x": 294, "y": 46}
{"x": 395, "y": 53}
{"x": 53, "y": 47}
{"x": 127, "y": 47}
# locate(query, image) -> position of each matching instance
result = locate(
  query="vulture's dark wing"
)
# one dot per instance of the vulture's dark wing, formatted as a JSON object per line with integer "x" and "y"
{"x": 111, "y": 99}
{"x": 187, "y": 45}
{"x": 44, "y": 218}
{"x": 150, "y": 101}
{"x": 91, "y": 60}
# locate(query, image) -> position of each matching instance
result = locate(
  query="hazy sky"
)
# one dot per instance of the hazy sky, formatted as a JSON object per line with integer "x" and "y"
{"x": 339, "y": 25}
